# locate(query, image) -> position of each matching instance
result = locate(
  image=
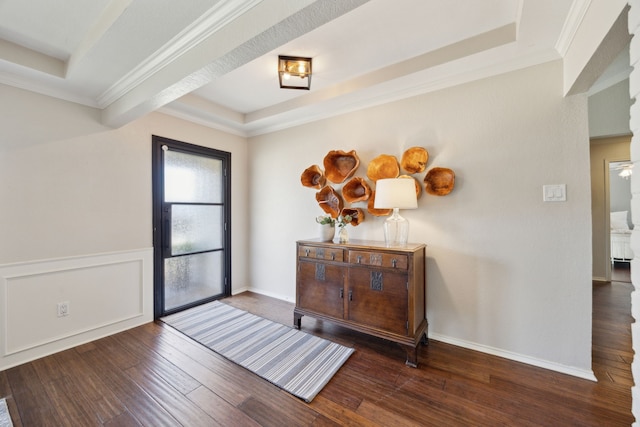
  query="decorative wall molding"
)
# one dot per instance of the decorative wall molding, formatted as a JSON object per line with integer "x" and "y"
{"x": 107, "y": 293}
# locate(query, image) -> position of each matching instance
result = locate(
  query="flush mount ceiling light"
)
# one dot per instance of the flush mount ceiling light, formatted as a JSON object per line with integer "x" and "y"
{"x": 294, "y": 72}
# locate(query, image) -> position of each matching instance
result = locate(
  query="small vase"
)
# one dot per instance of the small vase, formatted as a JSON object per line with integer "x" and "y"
{"x": 343, "y": 235}
{"x": 327, "y": 231}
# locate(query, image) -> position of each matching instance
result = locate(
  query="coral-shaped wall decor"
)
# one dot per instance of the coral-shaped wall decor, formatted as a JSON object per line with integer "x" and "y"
{"x": 313, "y": 177}
{"x": 340, "y": 165}
{"x": 439, "y": 181}
{"x": 383, "y": 166}
{"x": 330, "y": 201}
{"x": 356, "y": 190}
{"x": 414, "y": 160}
{"x": 356, "y": 214}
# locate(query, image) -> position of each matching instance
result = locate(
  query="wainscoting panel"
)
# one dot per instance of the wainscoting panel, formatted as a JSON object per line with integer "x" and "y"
{"x": 104, "y": 294}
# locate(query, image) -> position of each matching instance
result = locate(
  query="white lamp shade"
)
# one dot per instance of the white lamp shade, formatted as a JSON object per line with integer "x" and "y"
{"x": 395, "y": 193}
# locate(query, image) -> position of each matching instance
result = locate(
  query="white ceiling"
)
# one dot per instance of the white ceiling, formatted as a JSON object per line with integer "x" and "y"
{"x": 214, "y": 62}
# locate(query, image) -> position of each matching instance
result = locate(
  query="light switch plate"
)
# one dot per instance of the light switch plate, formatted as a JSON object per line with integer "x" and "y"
{"x": 554, "y": 193}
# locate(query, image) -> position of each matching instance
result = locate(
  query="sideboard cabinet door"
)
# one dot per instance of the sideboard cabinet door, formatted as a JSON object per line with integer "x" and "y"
{"x": 320, "y": 288}
{"x": 379, "y": 299}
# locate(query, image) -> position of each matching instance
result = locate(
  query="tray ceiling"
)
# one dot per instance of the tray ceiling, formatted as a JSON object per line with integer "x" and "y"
{"x": 214, "y": 62}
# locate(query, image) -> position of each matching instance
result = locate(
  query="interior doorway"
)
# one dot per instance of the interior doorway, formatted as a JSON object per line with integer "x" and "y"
{"x": 191, "y": 224}
{"x": 620, "y": 224}
{"x": 604, "y": 151}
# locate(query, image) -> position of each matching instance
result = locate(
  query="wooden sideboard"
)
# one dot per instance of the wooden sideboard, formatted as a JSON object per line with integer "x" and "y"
{"x": 365, "y": 286}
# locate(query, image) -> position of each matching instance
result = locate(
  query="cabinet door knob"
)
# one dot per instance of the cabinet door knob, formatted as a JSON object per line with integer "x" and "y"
{"x": 350, "y": 295}
{"x": 341, "y": 293}
{"x": 333, "y": 257}
{"x": 306, "y": 252}
{"x": 359, "y": 259}
{"x": 394, "y": 262}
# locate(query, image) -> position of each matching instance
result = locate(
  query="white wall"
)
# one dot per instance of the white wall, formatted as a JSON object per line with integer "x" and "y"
{"x": 634, "y": 124}
{"x": 74, "y": 192}
{"x": 609, "y": 111}
{"x": 506, "y": 273}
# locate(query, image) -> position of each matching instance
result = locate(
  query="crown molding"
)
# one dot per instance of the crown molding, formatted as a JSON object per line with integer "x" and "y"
{"x": 210, "y": 121}
{"x": 30, "y": 85}
{"x": 208, "y": 24}
{"x": 571, "y": 24}
{"x": 285, "y": 119}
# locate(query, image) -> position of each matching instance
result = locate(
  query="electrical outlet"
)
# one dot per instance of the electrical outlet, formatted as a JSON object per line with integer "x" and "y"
{"x": 63, "y": 308}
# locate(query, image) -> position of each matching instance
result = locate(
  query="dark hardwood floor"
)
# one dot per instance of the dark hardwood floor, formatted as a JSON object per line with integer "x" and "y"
{"x": 154, "y": 376}
{"x": 621, "y": 272}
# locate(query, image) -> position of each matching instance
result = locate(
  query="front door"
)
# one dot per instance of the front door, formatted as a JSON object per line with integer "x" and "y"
{"x": 191, "y": 225}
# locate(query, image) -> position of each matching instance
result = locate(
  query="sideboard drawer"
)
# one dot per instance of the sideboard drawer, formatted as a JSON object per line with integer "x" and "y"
{"x": 314, "y": 252}
{"x": 379, "y": 259}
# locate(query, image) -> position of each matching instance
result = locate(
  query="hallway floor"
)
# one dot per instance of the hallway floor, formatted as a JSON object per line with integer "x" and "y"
{"x": 621, "y": 272}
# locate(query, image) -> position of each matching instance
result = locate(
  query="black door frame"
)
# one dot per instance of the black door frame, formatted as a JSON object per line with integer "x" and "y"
{"x": 158, "y": 201}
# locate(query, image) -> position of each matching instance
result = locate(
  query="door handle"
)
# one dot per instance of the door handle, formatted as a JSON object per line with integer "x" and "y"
{"x": 166, "y": 232}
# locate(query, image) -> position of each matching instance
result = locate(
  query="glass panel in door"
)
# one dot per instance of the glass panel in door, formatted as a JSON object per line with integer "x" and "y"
{"x": 193, "y": 222}
{"x": 195, "y": 228}
{"x": 190, "y": 278}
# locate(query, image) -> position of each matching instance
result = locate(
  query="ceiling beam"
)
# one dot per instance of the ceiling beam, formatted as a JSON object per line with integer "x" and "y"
{"x": 107, "y": 18}
{"x": 599, "y": 38}
{"x": 267, "y": 25}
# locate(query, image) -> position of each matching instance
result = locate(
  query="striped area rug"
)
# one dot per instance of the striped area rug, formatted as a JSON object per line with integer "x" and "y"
{"x": 5, "y": 419}
{"x": 295, "y": 361}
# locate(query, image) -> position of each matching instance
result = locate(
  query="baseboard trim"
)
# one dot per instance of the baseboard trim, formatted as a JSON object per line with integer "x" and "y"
{"x": 270, "y": 294}
{"x": 569, "y": 370}
{"x": 540, "y": 363}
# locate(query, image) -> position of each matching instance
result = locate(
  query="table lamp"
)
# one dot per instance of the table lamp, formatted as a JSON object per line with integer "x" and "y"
{"x": 396, "y": 194}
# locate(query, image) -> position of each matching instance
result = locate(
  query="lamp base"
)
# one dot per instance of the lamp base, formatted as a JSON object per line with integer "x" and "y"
{"x": 396, "y": 230}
